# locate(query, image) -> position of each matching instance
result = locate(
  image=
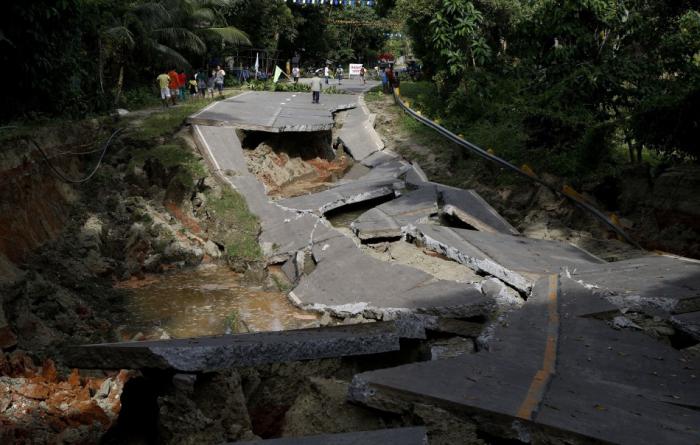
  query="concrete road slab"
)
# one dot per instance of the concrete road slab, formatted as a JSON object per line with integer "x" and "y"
{"x": 655, "y": 283}
{"x": 386, "y": 220}
{"x": 398, "y": 436}
{"x": 515, "y": 260}
{"x": 274, "y": 111}
{"x": 222, "y": 147}
{"x": 557, "y": 373}
{"x": 205, "y": 354}
{"x": 348, "y": 282}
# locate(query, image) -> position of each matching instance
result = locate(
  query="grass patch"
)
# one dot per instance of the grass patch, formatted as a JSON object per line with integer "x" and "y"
{"x": 241, "y": 240}
{"x": 167, "y": 122}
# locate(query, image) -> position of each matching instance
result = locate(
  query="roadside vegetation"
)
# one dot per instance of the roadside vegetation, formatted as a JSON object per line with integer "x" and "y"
{"x": 572, "y": 88}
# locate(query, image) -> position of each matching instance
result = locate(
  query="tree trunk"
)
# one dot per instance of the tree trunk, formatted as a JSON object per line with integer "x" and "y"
{"x": 100, "y": 65}
{"x": 630, "y": 146}
{"x": 120, "y": 84}
{"x": 640, "y": 147}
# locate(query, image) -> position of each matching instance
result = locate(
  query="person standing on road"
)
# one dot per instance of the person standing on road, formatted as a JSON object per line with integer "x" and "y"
{"x": 164, "y": 84}
{"x": 362, "y": 75}
{"x": 295, "y": 74}
{"x": 315, "y": 89}
{"x": 182, "y": 82}
{"x": 385, "y": 80}
{"x": 210, "y": 83}
{"x": 174, "y": 85}
{"x": 339, "y": 74}
{"x": 219, "y": 81}
{"x": 326, "y": 73}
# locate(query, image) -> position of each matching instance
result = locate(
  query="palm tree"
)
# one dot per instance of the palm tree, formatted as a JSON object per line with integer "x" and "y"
{"x": 164, "y": 29}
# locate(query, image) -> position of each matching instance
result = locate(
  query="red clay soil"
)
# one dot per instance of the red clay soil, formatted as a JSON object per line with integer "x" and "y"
{"x": 37, "y": 406}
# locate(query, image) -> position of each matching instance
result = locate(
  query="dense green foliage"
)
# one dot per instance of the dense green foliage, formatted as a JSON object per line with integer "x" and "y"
{"x": 569, "y": 81}
{"x": 73, "y": 57}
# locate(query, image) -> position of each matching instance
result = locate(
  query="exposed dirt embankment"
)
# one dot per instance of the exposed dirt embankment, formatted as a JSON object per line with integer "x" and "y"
{"x": 152, "y": 207}
{"x": 292, "y": 164}
{"x": 35, "y": 204}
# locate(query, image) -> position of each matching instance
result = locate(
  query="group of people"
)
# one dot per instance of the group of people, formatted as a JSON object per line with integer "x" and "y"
{"x": 174, "y": 85}
{"x": 338, "y": 74}
{"x": 390, "y": 80}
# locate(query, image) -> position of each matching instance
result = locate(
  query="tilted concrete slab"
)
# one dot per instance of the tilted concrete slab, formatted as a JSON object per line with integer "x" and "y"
{"x": 397, "y": 436}
{"x": 558, "y": 374}
{"x": 345, "y": 194}
{"x": 469, "y": 207}
{"x": 386, "y": 220}
{"x": 205, "y": 354}
{"x": 415, "y": 176}
{"x": 688, "y": 323}
{"x": 358, "y": 134}
{"x": 347, "y": 282}
{"x": 387, "y": 170}
{"x": 379, "y": 157}
{"x": 655, "y": 283}
{"x": 515, "y": 260}
{"x": 222, "y": 147}
{"x": 274, "y": 111}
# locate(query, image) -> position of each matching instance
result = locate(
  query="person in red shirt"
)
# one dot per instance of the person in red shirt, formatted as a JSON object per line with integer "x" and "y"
{"x": 174, "y": 85}
{"x": 182, "y": 79}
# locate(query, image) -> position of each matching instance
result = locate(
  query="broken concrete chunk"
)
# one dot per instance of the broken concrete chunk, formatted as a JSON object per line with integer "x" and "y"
{"x": 415, "y": 176}
{"x": 688, "y": 323}
{"x": 358, "y": 135}
{"x": 515, "y": 260}
{"x": 342, "y": 195}
{"x": 470, "y": 208}
{"x": 654, "y": 284}
{"x": 204, "y": 354}
{"x": 451, "y": 347}
{"x": 506, "y": 297}
{"x": 386, "y": 220}
{"x": 379, "y": 157}
{"x": 346, "y": 280}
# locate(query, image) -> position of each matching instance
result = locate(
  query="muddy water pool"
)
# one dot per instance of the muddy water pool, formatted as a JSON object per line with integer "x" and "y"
{"x": 208, "y": 300}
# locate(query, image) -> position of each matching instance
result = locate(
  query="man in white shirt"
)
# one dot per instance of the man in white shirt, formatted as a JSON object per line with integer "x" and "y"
{"x": 315, "y": 88}
{"x": 326, "y": 73}
{"x": 295, "y": 74}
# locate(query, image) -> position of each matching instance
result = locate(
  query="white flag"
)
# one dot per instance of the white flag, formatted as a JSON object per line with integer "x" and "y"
{"x": 256, "y": 62}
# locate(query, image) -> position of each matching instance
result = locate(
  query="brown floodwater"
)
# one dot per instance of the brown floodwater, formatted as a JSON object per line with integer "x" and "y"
{"x": 208, "y": 300}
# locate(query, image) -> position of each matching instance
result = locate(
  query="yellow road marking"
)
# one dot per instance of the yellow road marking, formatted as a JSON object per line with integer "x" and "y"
{"x": 539, "y": 382}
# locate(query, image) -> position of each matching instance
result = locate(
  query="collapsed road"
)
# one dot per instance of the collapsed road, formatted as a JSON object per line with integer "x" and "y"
{"x": 561, "y": 344}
